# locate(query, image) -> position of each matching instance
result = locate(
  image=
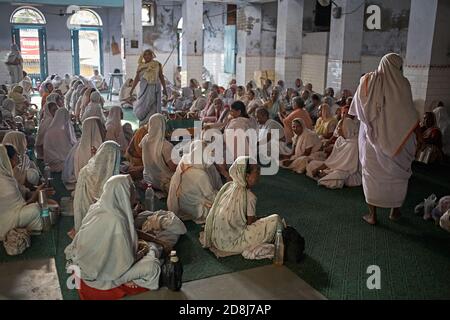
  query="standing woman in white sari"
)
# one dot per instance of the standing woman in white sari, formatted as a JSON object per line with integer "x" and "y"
{"x": 231, "y": 225}
{"x": 106, "y": 248}
{"x": 14, "y": 63}
{"x": 114, "y": 129}
{"x": 14, "y": 211}
{"x": 384, "y": 105}
{"x": 342, "y": 167}
{"x": 194, "y": 185}
{"x": 59, "y": 140}
{"x": 93, "y": 176}
{"x": 157, "y": 154}
{"x": 150, "y": 76}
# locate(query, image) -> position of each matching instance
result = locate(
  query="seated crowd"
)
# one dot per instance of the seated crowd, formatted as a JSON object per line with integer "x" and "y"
{"x": 118, "y": 245}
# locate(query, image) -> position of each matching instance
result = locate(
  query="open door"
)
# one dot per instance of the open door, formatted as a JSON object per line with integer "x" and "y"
{"x": 87, "y": 51}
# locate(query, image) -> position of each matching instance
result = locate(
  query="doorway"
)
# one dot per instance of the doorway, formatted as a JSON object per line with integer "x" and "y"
{"x": 87, "y": 54}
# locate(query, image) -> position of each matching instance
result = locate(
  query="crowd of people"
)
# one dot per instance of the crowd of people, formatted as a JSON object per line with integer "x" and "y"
{"x": 337, "y": 141}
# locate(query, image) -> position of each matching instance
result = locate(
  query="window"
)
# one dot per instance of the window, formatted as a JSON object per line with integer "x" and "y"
{"x": 87, "y": 18}
{"x": 27, "y": 15}
{"x": 148, "y": 13}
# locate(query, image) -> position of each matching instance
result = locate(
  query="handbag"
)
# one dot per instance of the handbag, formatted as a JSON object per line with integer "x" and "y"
{"x": 115, "y": 49}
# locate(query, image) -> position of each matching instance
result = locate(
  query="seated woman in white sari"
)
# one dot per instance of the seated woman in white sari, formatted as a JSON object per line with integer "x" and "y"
{"x": 157, "y": 154}
{"x": 194, "y": 185}
{"x": 116, "y": 257}
{"x": 92, "y": 177}
{"x": 85, "y": 99}
{"x": 51, "y": 98}
{"x": 19, "y": 141}
{"x": 231, "y": 226}
{"x": 342, "y": 168}
{"x": 15, "y": 212}
{"x": 114, "y": 130}
{"x": 47, "y": 119}
{"x": 306, "y": 146}
{"x": 59, "y": 140}
{"x": 94, "y": 108}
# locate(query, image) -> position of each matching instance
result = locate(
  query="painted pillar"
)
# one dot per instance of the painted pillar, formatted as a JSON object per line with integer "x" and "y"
{"x": 248, "y": 58}
{"x": 288, "y": 60}
{"x": 132, "y": 33}
{"x": 427, "y": 64}
{"x": 346, "y": 35}
{"x": 192, "y": 43}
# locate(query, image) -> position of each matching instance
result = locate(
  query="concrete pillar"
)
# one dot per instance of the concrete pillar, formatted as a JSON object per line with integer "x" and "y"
{"x": 248, "y": 58}
{"x": 427, "y": 63}
{"x": 132, "y": 34}
{"x": 192, "y": 60}
{"x": 288, "y": 60}
{"x": 344, "y": 58}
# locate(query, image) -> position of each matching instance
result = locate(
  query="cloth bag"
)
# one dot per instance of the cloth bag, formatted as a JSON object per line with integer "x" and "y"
{"x": 17, "y": 241}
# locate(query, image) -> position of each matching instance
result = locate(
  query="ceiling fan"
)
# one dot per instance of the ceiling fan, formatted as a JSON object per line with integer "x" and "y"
{"x": 70, "y": 11}
{"x": 337, "y": 10}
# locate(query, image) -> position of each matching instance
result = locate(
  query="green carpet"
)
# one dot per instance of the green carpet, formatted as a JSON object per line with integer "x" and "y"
{"x": 413, "y": 255}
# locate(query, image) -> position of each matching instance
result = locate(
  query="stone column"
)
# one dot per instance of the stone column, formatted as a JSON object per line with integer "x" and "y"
{"x": 192, "y": 60}
{"x": 288, "y": 60}
{"x": 248, "y": 58}
{"x": 132, "y": 33}
{"x": 344, "y": 58}
{"x": 427, "y": 64}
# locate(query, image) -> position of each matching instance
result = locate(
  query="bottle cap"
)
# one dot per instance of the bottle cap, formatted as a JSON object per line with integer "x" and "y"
{"x": 173, "y": 253}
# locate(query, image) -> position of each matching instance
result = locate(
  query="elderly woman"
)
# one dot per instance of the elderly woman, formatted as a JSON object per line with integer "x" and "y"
{"x": 299, "y": 112}
{"x": 14, "y": 63}
{"x": 326, "y": 124}
{"x": 51, "y": 98}
{"x": 114, "y": 130}
{"x": 78, "y": 87}
{"x": 342, "y": 168}
{"x": 150, "y": 76}
{"x": 231, "y": 226}
{"x": 94, "y": 108}
{"x": 253, "y": 102}
{"x": 306, "y": 144}
{"x": 384, "y": 105}
{"x": 194, "y": 185}
{"x": 8, "y": 110}
{"x": 59, "y": 140}
{"x": 134, "y": 150}
{"x": 429, "y": 149}
{"x": 15, "y": 212}
{"x": 274, "y": 105}
{"x": 22, "y": 103}
{"x": 157, "y": 154}
{"x": 116, "y": 261}
{"x": 19, "y": 141}
{"x": 49, "y": 113}
{"x": 102, "y": 166}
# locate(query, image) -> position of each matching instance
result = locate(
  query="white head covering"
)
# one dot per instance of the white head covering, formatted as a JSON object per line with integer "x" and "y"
{"x": 14, "y": 53}
{"x": 19, "y": 141}
{"x": 46, "y": 120}
{"x": 59, "y": 140}
{"x": 33, "y": 176}
{"x": 109, "y": 256}
{"x": 152, "y": 150}
{"x": 11, "y": 200}
{"x": 91, "y": 137}
{"x": 114, "y": 130}
{"x": 384, "y": 104}
{"x": 102, "y": 166}
{"x": 94, "y": 108}
{"x": 8, "y": 109}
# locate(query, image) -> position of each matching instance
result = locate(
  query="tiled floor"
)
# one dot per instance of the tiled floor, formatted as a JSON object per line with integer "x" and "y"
{"x": 29, "y": 280}
{"x": 264, "y": 283}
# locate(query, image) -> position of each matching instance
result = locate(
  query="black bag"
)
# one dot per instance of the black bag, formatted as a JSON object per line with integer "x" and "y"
{"x": 294, "y": 245}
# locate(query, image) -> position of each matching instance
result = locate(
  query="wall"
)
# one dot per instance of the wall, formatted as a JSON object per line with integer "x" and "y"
{"x": 58, "y": 39}
{"x": 268, "y": 35}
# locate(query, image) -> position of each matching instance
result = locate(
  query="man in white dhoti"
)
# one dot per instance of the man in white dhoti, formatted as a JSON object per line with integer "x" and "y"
{"x": 384, "y": 105}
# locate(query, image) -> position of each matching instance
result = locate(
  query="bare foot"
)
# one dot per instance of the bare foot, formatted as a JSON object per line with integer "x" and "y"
{"x": 395, "y": 215}
{"x": 370, "y": 219}
{"x": 72, "y": 234}
{"x": 131, "y": 285}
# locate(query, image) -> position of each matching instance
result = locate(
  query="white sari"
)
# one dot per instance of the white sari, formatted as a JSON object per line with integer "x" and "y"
{"x": 226, "y": 226}
{"x": 114, "y": 130}
{"x": 156, "y": 152}
{"x": 110, "y": 260}
{"x": 192, "y": 190}
{"x": 59, "y": 140}
{"x": 14, "y": 212}
{"x": 94, "y": 108}
{"x": 101, "y": 167}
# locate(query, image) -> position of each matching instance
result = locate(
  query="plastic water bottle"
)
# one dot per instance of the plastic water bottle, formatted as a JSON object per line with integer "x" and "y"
{"x": 173, "y": 272}
{"x": 278, "y": 258}
{"x": 45, "y": 211}
{"x": 47, "y": 175}
{"x": 150, "y": 199}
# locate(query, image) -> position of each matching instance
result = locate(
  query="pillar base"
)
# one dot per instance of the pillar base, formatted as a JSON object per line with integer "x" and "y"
{"x": 343, "y": 75}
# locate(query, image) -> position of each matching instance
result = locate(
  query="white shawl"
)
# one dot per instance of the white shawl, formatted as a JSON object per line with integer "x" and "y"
{"x": 114, "y": 130}
{"x": 101, "y": 167}
{"x": 383, "y": 102}
{"x": 105, "y": 247}
{"x": 19, "y": 141}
